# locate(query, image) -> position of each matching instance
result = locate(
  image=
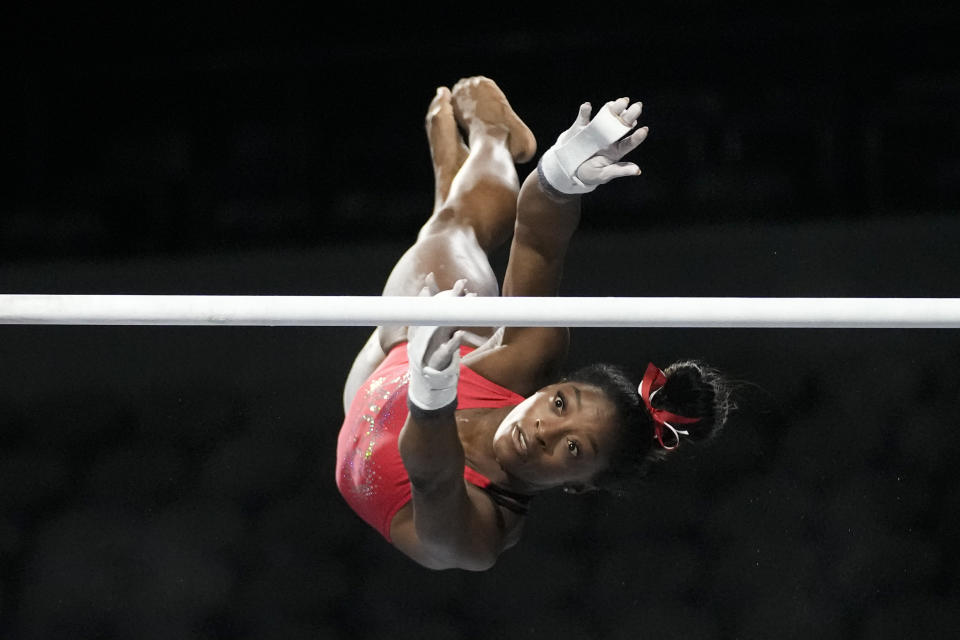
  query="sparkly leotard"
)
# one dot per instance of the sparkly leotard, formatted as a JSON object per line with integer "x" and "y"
{"x": 370, "y": 473}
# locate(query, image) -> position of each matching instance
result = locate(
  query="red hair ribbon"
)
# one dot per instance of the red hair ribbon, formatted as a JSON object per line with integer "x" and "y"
{"x": 653, "y": 381}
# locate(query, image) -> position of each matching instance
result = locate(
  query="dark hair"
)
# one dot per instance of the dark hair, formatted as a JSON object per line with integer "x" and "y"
{"x": 692, "y": 389}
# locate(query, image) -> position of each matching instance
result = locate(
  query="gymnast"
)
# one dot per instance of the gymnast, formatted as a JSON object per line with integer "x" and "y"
{"x": 449, "y": 432}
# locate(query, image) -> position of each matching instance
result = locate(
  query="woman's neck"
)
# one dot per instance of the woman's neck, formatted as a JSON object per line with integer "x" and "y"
{"x": 476, "y": 428}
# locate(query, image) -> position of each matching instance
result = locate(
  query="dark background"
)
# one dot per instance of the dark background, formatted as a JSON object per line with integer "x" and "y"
{"x": 178, "y": 482}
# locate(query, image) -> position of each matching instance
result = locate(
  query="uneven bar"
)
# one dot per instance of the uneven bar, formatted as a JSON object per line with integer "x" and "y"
{"x": 731, "y": 312}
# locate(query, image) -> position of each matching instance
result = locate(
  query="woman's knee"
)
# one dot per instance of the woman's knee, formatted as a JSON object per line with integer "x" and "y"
{"x": 444, "y": 220}
{"x": 450, "y": 252}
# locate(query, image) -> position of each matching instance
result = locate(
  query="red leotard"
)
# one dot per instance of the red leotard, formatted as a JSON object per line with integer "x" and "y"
{"x": 370, "y": 474}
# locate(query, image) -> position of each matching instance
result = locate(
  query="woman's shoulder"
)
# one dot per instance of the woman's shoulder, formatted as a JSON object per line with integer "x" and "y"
{"x": 522, "y": 359}
{"x": 483, "y": 344}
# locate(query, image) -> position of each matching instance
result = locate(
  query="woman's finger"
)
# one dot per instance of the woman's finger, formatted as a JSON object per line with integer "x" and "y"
{"x": 444, "y": 353}
{"x": 431, "y": 282}
{"x": 583, "y": 117}
{"x": 630, "y": 115}
{"x": 618, "y": 170}
{"x": 629, "y": 143}
{"x": 617, "y": 106}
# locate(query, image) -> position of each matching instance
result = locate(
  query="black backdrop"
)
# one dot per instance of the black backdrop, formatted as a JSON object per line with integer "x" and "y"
{"x": 178, "y": 482}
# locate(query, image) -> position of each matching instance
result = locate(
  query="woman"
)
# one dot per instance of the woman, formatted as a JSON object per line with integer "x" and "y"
{"x": 444, "y": 444}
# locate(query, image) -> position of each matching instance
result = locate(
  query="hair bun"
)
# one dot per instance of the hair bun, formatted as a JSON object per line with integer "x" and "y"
{"x": 696, "y": 390}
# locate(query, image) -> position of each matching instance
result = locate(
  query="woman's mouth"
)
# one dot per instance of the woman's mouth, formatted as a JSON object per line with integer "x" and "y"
{"x": 519, "y": 440}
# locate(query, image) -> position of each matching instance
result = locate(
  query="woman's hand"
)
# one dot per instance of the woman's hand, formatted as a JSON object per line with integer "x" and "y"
{"x": 588, "y": 154}
{"x": 434, "y": 354}
{"x": 605, "y": 166}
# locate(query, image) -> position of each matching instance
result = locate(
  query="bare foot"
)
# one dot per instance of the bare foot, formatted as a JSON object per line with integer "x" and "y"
{"x": 479, "y": 101}
{"x": 447, "y": 148}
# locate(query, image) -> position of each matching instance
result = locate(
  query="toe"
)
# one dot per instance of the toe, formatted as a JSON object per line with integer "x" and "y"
{"x": 440, "y": 100}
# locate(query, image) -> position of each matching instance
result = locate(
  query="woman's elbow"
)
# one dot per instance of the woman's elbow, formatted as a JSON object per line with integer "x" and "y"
{"x": 443, "y": 559}
{"x": 481, "y": 563}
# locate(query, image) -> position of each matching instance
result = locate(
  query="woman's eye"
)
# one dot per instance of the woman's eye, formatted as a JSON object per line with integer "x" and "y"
{"x": 558, "y": 402}
{"x": 573, "y": 447}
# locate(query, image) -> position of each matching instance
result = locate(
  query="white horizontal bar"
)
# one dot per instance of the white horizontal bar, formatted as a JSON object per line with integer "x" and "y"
{"x": 910, "y": 313}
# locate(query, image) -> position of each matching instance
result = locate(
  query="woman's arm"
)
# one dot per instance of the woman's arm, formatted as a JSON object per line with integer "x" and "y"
{"x": 548, "y": 207}
{"x": 544, "y": 227}
{"x": 453, "y": 526}
{"x": 548, "y": 212}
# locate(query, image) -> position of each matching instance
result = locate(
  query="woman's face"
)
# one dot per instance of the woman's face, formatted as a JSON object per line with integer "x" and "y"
{"x": 560, "y": 436}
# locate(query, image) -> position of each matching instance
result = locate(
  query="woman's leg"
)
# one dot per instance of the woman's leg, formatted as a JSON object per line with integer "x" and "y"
{"x": 476, "y": 193}
{"x": 448, "y": 151}
{"x": 476, "y": 188}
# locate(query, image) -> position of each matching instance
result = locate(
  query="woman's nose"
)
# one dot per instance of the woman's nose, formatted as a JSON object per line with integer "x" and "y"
{"x": 543, "y": 432}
